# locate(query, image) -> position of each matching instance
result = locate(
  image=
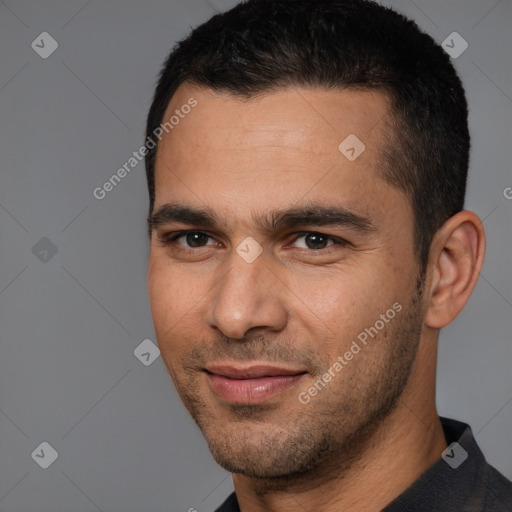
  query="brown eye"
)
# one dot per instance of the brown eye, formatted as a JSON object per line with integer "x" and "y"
{"x": 195, "y": 238}
{"x": 186, "y": 239}
{"x": 315, "y": 241}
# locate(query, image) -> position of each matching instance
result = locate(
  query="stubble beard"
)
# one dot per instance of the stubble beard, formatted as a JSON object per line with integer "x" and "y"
{"x": 327, "y": 435}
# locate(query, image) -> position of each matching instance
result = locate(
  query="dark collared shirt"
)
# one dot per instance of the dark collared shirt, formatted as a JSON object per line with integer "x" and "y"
{"x": 461, "y": 481}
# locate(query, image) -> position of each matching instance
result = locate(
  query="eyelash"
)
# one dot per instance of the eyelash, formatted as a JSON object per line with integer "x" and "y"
{"x": 170, "y": 238}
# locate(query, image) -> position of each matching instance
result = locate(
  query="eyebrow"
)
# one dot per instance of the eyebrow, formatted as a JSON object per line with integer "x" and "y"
{"x": 309, "y": 214}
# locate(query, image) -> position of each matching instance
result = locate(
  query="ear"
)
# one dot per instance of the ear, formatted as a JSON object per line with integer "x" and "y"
{"x": 455, "y": 262}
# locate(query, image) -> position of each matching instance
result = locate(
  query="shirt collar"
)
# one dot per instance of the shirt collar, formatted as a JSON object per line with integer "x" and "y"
{"x": 455, "y": 482}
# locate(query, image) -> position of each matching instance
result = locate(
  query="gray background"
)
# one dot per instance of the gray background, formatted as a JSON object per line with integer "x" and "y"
{"x": 69, "y": 325}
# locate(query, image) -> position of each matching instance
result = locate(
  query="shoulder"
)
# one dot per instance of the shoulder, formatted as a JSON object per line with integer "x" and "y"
{"x": 498, "y": 496}
{"x": 230, "y": 505}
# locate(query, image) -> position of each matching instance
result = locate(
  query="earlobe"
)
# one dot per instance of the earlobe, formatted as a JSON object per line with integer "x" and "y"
{"x": 456, "y": 260}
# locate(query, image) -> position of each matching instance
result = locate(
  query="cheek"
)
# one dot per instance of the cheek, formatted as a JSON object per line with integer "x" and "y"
{"x": 342, "y": 306}
{"x": 176, "y": 302}
{"x": 167, "y": 298}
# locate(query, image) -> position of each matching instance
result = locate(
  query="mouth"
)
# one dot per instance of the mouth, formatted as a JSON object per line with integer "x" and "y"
{"x": 251, "y": 384}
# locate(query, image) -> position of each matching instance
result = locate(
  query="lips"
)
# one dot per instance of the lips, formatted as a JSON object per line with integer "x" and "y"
{"x": 251, "y": 384}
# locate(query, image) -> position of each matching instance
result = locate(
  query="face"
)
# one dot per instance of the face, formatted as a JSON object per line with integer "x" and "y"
{"x": 282, "y": 276}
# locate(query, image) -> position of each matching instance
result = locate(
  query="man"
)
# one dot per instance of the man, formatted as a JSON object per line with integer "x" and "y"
{"x": 308, "y": 242}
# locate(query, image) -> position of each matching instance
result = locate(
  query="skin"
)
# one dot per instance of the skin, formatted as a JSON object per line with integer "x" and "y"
{"x": 304, "y": 300}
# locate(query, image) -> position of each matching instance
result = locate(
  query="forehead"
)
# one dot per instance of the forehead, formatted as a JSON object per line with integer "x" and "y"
{"x": 285, "y": 145}
{"x": 287, "y": 117}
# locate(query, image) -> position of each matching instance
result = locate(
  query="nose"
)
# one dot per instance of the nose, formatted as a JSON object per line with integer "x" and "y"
{"x": 250, "y": 295}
